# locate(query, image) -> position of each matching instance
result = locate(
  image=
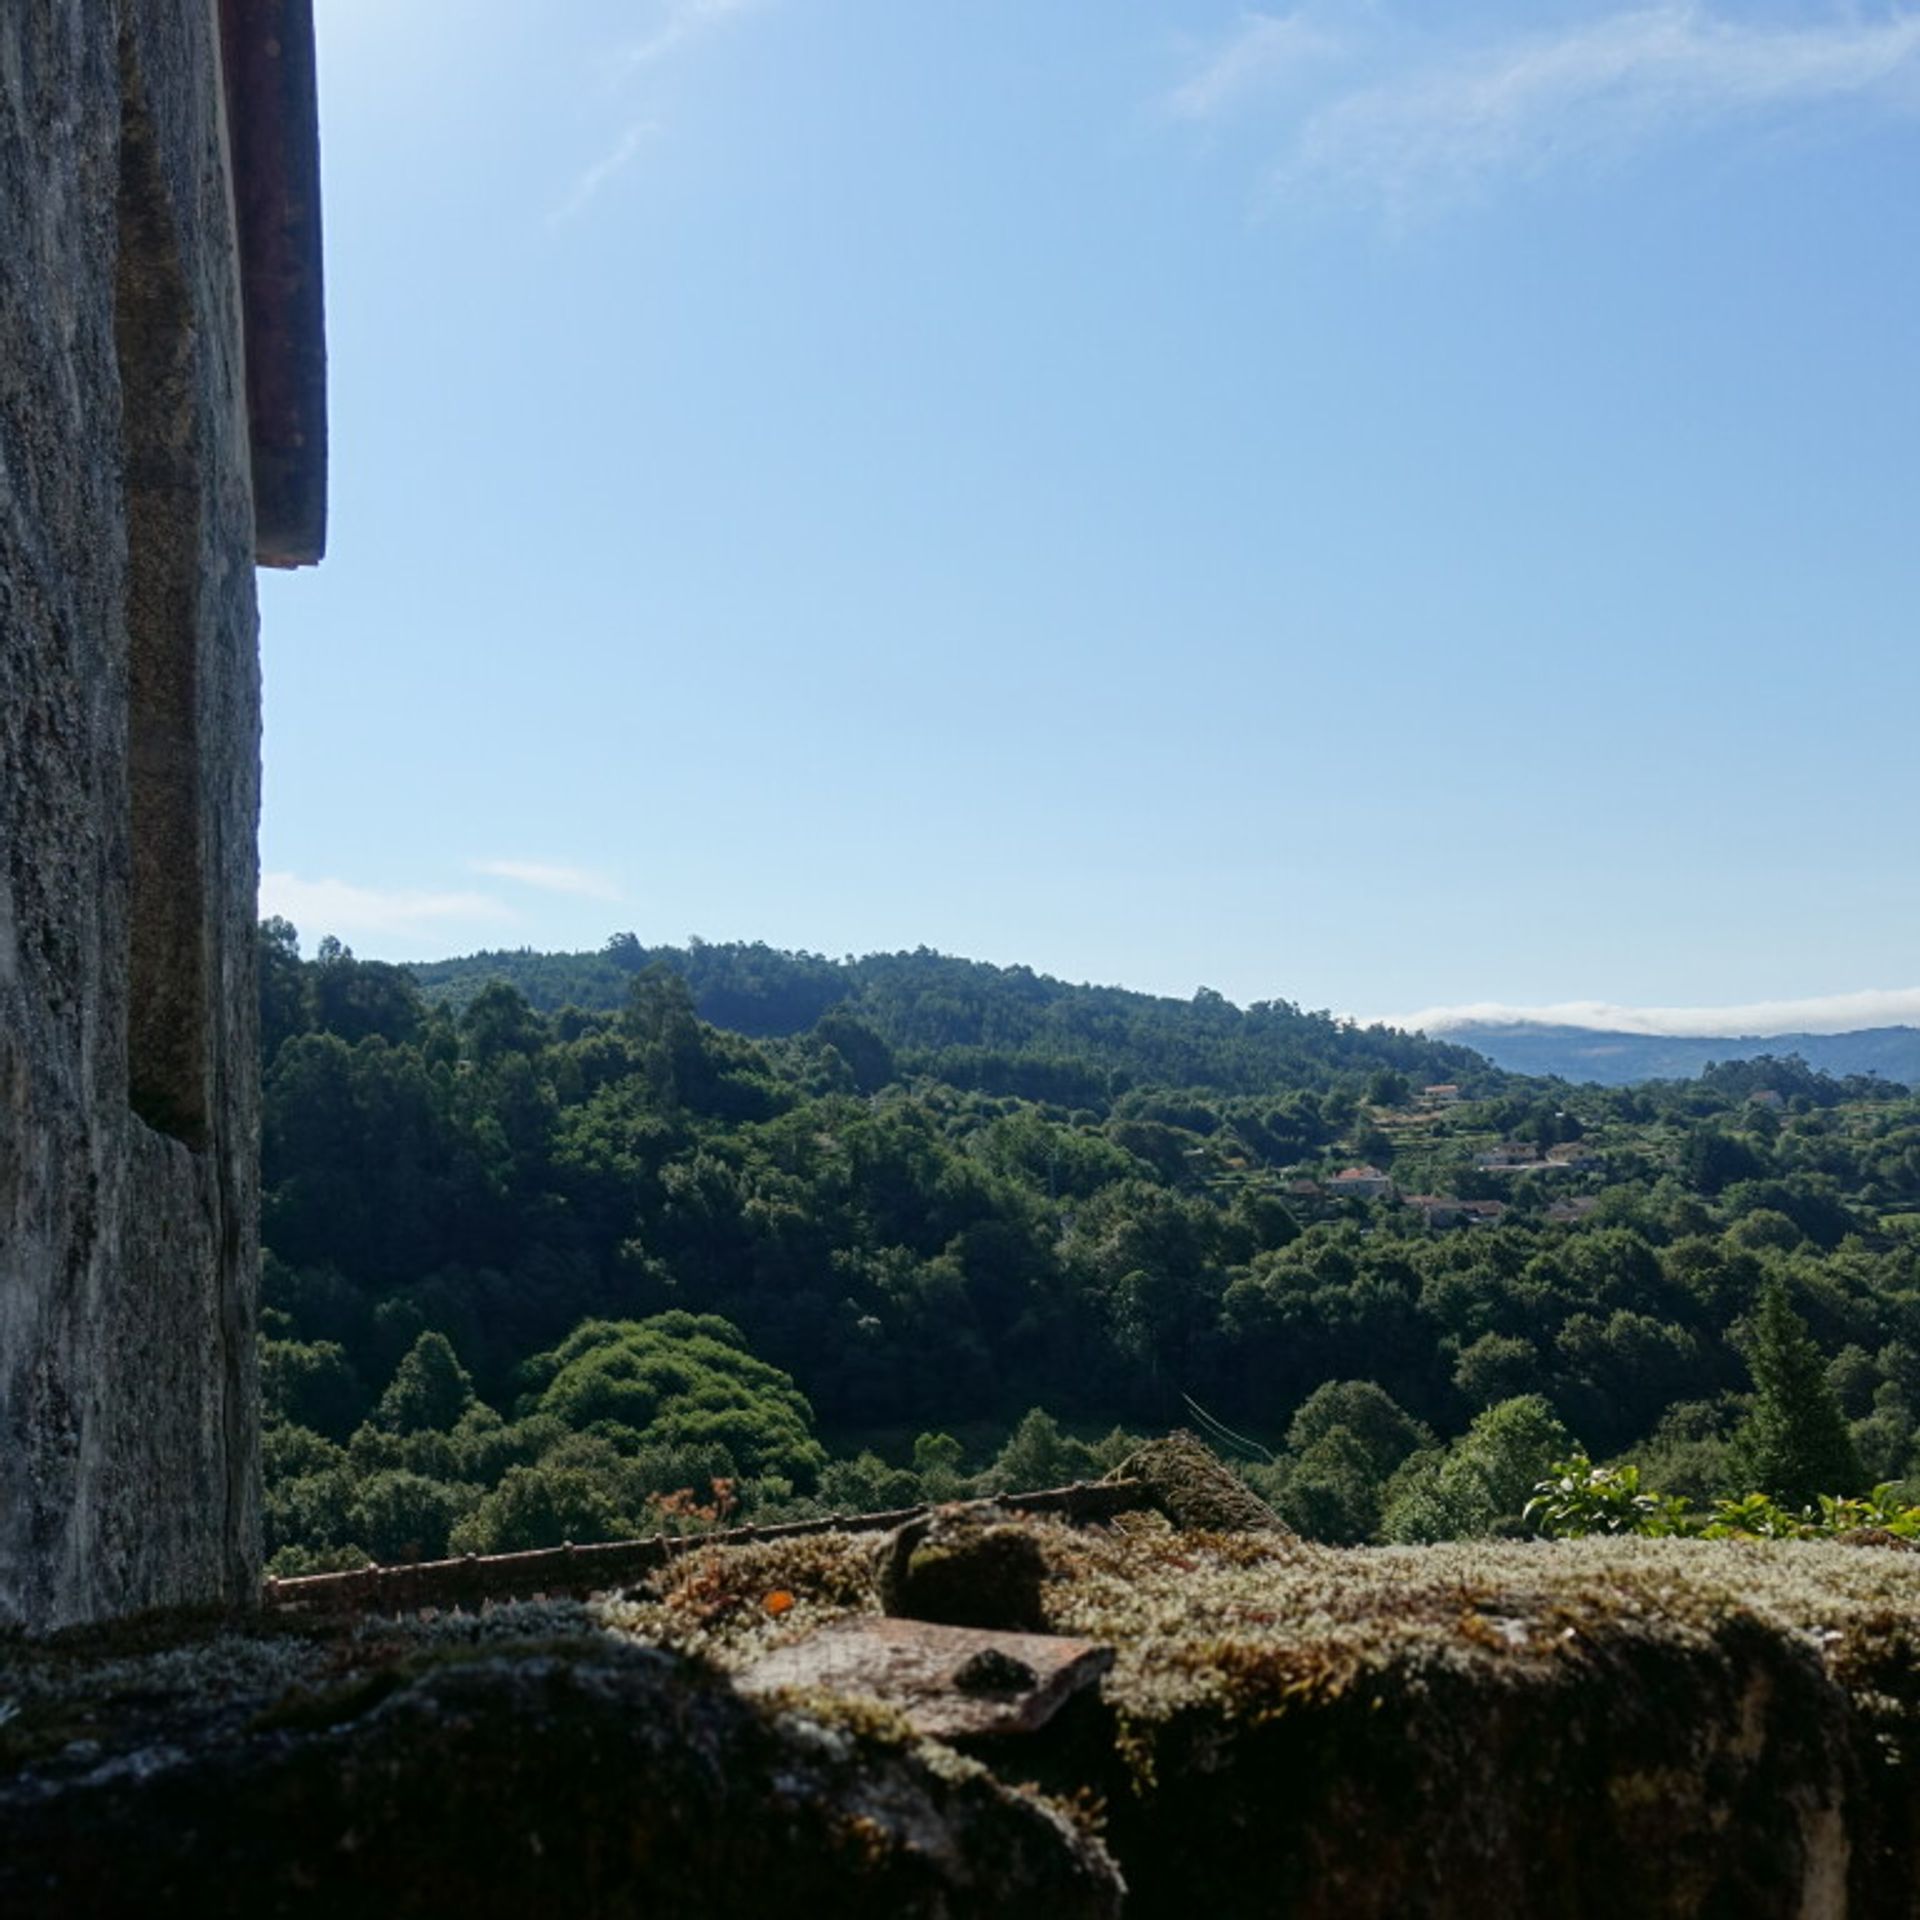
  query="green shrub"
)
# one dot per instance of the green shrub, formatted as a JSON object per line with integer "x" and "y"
{"x": 1580, "y": 1499}
{"x": 405, "y": 1516}
{"x": 683, "y": 1380}
{"x": 543, "y": 1506}
{"x": 1482, "y": 1483}
{"x": 1037, "y": 1455}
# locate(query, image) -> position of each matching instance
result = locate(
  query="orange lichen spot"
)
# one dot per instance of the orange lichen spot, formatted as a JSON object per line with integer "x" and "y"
{"x": 778, "y": 1601}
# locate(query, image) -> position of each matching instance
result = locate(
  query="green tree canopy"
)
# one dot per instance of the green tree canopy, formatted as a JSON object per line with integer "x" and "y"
{"x": 1384, "y": 1431}
{"x": 1038, "y": 1454}
{"x": 1794, "y": 1444}
{"x": 430, "y": 1389}
{"x": 679, "y": 1379}
{"x": 543, "y": 1505}
{"x": 1484, "y": 1480}
{"x": 311, "y": 1383}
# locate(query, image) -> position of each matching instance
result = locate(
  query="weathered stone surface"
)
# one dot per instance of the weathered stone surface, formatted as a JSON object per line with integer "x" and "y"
{"x": 1607, "y": 1729}
{"x": 1599, "y": 1729}
{"x": 581, "y": 1777}
{"x": 1194, "y": 1489}
{"x": 967, "y": 1565}
{"x": 950, "y": 1682}
{"x": 128, "y": 795}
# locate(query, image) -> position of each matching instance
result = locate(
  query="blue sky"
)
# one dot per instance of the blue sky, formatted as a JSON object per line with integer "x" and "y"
{"x": 1387, "y": 506}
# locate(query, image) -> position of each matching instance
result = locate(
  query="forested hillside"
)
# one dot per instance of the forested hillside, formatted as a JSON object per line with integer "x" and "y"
{"x": 536, "y": 1275}
{"x": 1000, "y": 1029}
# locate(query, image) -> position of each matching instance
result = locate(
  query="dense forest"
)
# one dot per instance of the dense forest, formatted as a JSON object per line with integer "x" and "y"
{"x": 994, "y": 1029}
{"x": 609, "y": 1242}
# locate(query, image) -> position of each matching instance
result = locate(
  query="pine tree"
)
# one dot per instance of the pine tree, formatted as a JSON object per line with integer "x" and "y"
{"x": 1794, "y": 1443}
{"x": 430, "y": 1389}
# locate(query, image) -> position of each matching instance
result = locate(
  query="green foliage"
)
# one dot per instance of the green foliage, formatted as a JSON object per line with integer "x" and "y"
{"x": 498, "y": 1021}
{"x": 1882, "y": 1510}
{"x": 868, "y": 1059}
{"x": 925, "y": 1195}
{"x": 939, "y": 1463}
{"x": 1753, "y": 1516}
{"x": 1495, "y": 1367}
{"x": 1388, "y": 1088}
{"x": 987, "y": 1025}
{"x": 430, "y": 1389}
{"x": 1331, "y": 1490}
{"x": 311, "y": 1384}
{"x": 406, "y": 1516}
{"x": 1580, "y": 1499}
{"x": 1794, "y": 1444}
{"x": 544, "y": 1506}
{"x": 866, "y": 1484}
{"x": 679, "y": 1379}
{"x": 1345, "y": 1441}
{"x": 1385, "y": 1432}
{"x": 1114, "y": 1448}
{"x": 308, "y": 1502}
{"x": 1037, "y": 1454}
{"x": 1687, "y": 1450}
{"x": 285, "y": 1008}
{"x": 1481, "y": 1484}
{"x": 359, "y": 999}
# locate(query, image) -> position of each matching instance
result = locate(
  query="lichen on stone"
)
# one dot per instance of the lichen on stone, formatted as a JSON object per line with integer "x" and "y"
{"x": 967, "y": 1565}
{"x": 1195, "y": 1489}
{"x": 1592, "y": 1728}
{"x": 1665, "y": 1727}
{"x": 526, "y": 1760}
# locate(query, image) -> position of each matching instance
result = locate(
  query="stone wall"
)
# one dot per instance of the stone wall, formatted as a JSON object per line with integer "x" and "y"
{"x": 1577, "y": 1730}
{"x": 129, "y": 780}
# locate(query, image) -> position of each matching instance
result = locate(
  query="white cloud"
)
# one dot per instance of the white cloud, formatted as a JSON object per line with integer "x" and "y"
{"x": 339, "y": 907}
{"x": 1604, "y": 88}
{"x": 678, "y": 24}
{"x": 680, "y": 21}
{"x": 1827, "y": 1013}
{"x": 591, "y": 179}
{"x": 1418, "y": 114}
{"x": 1264, "y": 48}
{"x": 580, "y": 882}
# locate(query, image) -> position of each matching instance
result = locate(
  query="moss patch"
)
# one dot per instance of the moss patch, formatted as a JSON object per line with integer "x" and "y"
{"x": 1593, "y": 1727}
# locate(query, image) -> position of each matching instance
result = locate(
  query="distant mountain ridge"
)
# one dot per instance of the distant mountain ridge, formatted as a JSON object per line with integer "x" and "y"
{"x": 937, "y": 1004}
{"x": 1618, "y": 1059}
{"x": 998, "y": 1029}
